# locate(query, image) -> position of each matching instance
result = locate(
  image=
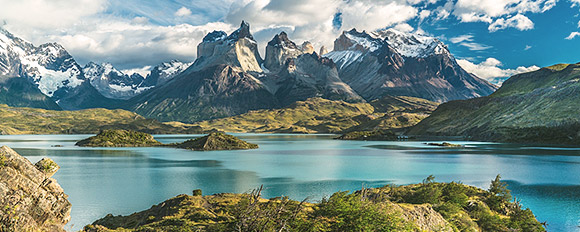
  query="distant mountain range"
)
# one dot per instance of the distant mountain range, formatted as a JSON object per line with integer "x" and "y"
{"x": 534, "y": 107}
{"x": 230, "y": 77}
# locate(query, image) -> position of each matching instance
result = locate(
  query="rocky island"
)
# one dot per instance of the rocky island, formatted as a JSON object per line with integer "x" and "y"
{"x": 30, "y": 200}
{"x": 119, "y": 138}
{"x": 429, "y": 206}
{"x": 125, "y": 138}
{"x": 216, "y": 141}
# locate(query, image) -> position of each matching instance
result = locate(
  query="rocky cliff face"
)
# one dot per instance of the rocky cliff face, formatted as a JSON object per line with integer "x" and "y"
{"x": 278, "y": 50}
{"x": 30, "y": 199}
{"x": 239, "y": 49}
{"x": 390, "y": 62}
{"x": 310, "y": 75}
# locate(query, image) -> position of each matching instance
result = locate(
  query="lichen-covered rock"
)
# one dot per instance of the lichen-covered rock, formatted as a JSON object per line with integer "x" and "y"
{"x": 119, "y": 138}
{"x": 30, "y": 200}
{"x": 216, "y": 141}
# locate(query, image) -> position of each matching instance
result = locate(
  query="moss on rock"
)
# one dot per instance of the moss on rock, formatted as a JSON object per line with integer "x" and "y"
{"x": 216, "y": 141}
{"x": 119, "y": 138}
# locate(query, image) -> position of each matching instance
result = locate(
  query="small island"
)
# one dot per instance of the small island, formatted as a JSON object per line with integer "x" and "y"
{"x": 377, "y": 135}
{"x": 126, "y": 138}
{"x": 119, "y": 138}
{"x": 444, "y": 144}
{"x": 215, "y": 141}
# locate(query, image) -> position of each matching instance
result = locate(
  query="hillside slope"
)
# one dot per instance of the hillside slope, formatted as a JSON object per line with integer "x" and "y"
{"x": 317, "y": 115}
{"x": 535, "y": 107}
{"x": 17, "y": 120}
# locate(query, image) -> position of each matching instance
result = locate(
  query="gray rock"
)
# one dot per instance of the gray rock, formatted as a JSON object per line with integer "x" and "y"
{"x": 29, "y": 199}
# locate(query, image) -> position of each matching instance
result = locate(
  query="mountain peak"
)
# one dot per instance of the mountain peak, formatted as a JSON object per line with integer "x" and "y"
{"x": 281, "y": 40}
{"x": 215, "y": 36}
{"x": 242, "y": 32}
{"x": 412, "y": 44}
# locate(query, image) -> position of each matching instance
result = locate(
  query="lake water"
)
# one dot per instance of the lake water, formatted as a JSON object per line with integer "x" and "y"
{"x": 124, "y": 180}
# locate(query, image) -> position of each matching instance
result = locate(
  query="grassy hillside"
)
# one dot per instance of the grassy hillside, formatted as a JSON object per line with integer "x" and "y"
{"x": 317, "y": 115}
{"x": 16, "y": 120}
{"x": 429, "y": 206}
{"x": 535, "y": 107}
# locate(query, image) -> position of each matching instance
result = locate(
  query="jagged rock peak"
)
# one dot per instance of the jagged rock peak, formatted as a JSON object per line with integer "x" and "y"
{"x": 242, "y": 32}
{"x": 354, "y": 40}
{"x": 215, "y": 36}
{"x": 412, "y": 44}
{"x": 281, "y": 40}
{"x": 307, "y": 47}
{"x": 323, "y": 50}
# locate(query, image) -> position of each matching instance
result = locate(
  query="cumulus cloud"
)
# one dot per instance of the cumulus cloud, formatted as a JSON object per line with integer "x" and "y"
{"x": 491, "y": 70}
{"x": 182, "y": 12}
{"x": 519, "y": 21}
{"x": 500, "y": 14}
{"x": 573, "y": 35}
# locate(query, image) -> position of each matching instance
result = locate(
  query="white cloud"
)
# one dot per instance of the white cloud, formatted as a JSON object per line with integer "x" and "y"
{"x": 528, "y": 47}
{"x": 519, "y": 21}
{"x": 182, "y": 12}
{"x": 491, "y": 70}
{"x": 475, "y": 46}
{"x": 573, "y": 35}
{"x": 404, "y": 27}
{"x": 461, "y": 38}
{"x": 500, "y": 13}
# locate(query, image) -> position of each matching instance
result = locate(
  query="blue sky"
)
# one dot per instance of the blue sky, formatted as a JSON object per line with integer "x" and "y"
{"x": 492, "y": 38}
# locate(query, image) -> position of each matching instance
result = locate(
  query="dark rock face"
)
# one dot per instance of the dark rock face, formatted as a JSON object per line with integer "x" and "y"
{"x": 19, "y": 92}
{"x": 396, "y": 63}
{"x": 279, "y": 50}
{"x": 30, "y": 199}
{"x": 214, "y": 92}
{"x": 310, "y": 75}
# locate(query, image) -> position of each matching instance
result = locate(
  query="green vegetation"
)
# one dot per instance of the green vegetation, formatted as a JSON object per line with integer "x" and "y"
{"x": 535, "y": 107}
{"x": 119, "y": 138}
{"x": 317, "y": 115}
{"x": 444, "y": 144}
{"x": 40, "y": 121}
{"x": 215, "y": 141}
{"x": 47, "y": 166}
{"x": 376, "y": 135}
{"x": 2, "y": 160}
{"x": 429, "y": 206}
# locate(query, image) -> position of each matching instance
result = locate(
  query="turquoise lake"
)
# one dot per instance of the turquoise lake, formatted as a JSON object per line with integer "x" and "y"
{"x": 124, "y": 180}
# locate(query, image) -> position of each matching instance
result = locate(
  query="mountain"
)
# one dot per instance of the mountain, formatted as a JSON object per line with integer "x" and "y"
{"x": 239, "y": 49}
{"x": 534, "y": 107}
{"x": 18, "y": 92}
{"x": 113, "y": 83}
{"x": 163, "y": 73}
{"x": 51, "y": 69}
{"x": 296, "y": 73}
{"x": 389, "y": 62}
{"x": 230, "y": 78}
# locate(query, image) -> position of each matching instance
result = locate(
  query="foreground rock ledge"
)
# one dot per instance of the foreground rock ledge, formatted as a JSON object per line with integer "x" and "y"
{"x": 30, "y": 200}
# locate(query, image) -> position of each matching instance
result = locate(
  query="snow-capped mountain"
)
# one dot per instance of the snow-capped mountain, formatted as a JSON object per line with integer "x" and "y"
{"x": 111, "y": 82}
{"x": 164, "y": 72}
{"x": 49, "y": 66}
{"x": 391, "y": 62}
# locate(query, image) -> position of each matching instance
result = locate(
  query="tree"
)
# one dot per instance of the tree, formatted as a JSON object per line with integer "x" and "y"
{"x": 498, "y": 188}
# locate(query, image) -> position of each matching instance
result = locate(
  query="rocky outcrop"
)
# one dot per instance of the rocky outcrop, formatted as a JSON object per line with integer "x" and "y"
{"x": 310, "y": 75}
{"x": 216, "y": 141}
{"x": 239, "y": 50}
{"x": 279, "y": 50}
{"x": 119, "y": 138}
{"x": 30, "y": 200}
